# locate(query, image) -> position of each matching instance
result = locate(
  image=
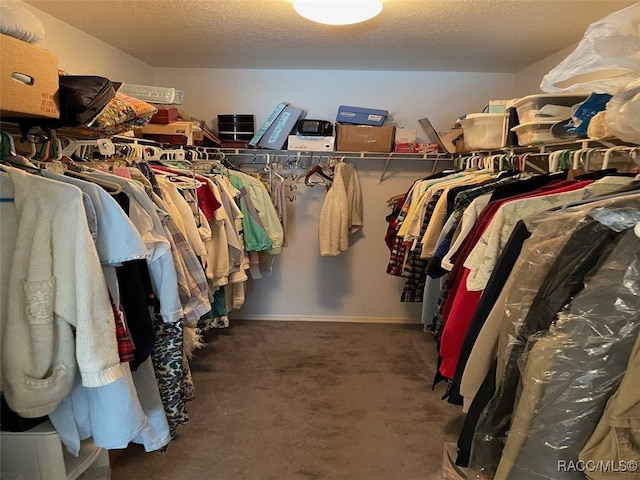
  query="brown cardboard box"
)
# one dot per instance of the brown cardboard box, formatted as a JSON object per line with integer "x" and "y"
{"x": 174, "y": 128}
{"x": 165, "y": 115}
{"x": 364, "y": 138}
{"x": 180, "y": 133}
{"x": 28, "y": 79}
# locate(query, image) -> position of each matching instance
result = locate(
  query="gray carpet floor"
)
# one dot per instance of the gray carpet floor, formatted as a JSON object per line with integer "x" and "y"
{"x": 308, "y": 401}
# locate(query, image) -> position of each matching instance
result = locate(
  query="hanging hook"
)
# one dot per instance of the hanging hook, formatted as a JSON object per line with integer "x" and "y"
{"x": 609, "y": 152}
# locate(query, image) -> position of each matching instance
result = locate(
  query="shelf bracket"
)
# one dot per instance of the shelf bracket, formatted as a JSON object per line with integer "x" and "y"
{"x": 386, "y": 167}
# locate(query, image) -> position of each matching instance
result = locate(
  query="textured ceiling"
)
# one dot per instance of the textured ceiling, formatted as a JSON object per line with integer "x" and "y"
{"x": 409, "y": 35}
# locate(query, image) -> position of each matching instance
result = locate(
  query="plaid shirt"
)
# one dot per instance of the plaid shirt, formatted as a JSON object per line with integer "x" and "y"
{"x": 192, "y": 282}
{"x": 415, "y": 267}
{"x": 462, "y": 200}
{"x": 126, "y": 347}
{"x": 396, "y": 244}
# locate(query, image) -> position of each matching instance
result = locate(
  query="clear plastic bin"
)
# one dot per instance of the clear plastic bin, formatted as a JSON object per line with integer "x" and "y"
{"x": 541, "y": 108}
{"x": 534, "y": 133}
{"x": 483, "y": 131}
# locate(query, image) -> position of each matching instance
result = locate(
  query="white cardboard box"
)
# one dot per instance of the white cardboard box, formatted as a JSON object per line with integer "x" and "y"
{"x": 312, "y": 144}
{"x": 405, "y": 135}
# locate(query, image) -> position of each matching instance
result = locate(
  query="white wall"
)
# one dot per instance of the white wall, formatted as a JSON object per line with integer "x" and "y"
{"x": 527, "y": 80}
{"x": 353, "y": 286}
{"x": 408, "y": 96}
{"x": 82, "y": 54}
{"x": 349, "y": 287}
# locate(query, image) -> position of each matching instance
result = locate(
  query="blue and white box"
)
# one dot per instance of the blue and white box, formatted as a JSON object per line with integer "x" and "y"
{"x": 361, "y": 116}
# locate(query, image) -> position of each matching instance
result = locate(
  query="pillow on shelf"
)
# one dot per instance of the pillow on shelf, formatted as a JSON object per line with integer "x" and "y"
{"x": 121, "y": 114}
{"x": 20, "y": 23}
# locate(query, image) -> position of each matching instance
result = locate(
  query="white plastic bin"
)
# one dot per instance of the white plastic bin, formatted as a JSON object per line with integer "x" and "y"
{"x": 542, "y": 108}
{"x": 38, "y": 454}
{"x": 534, "y": 133}
{"x": 483, "y": 131}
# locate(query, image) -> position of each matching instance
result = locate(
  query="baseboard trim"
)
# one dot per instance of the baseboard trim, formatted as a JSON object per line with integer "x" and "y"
{"x": 322, "y": 318}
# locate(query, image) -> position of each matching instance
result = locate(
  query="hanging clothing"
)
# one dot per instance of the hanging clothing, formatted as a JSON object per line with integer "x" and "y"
{"x": 279, "y": 199}
{"x": 616, "y": 438}
{"x": 52, "y": 284}
{"x": 125, "y": 411}
{"x": 482, "y": 259}
{"x": 267, "y": 217}
{"x": 144, "y": 215}
{"x": 550, "y": 233}
{"x": 342, "y": 213}
{"x": 590, "y": 245}
{"x": 168, "y": 366}
{"x": 592, "y": 339}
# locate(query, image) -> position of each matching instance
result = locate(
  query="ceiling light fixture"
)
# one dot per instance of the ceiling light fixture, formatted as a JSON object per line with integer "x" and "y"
{"x": 338, "y": 12}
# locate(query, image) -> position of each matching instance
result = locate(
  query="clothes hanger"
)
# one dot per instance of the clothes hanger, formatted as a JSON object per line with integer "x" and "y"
{"x": 111, "y": 187}
{"x": 83, "y": 148}
{"x": 10, "y": 157}
{"x": 181, "y": 181}
{"x": 610, "y": 151}
{"x": 316, "y": 170}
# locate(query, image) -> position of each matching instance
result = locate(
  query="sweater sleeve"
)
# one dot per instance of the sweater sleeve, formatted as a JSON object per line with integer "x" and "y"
{"x": 84, "y": 302}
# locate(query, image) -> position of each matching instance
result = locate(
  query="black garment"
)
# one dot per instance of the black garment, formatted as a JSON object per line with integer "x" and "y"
{"x": 138, "y": 302}
{"x": 453, "y": 193}
{"x": 525, "y": 186}
{"x": 518, "y": 188}
{"x": 137, "y": 299}
{"x": 10, "y": 421}
{"x": 597, "y": 175}
{"x": 585, "y": 251}
{"x": 492, "y": 291}
{"x": 463, "y": 196}
{"x": 123, "y": 200}
{"x": 478, "y": 404}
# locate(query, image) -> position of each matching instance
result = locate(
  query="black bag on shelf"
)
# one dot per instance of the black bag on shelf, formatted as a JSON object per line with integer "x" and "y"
{"x": 82, "y": 98}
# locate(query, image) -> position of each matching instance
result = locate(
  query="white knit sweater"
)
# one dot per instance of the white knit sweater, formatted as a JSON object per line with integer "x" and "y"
{"x": 341, "y": 213}
{"x": 55, "y": 313}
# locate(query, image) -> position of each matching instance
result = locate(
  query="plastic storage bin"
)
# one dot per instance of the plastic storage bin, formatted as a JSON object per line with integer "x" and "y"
{"x": 541, "y": 108}
{"x": 38, "y": 454}
{"x": 483, "y": 131}
{"x": 533, "y": 133}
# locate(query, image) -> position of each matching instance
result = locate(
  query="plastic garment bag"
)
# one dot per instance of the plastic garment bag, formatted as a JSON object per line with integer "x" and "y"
{"x": 571, "y": 370}
{"x": 622, "y": 113}
{"x": 593, "y": 252}
{"x": 606, "y": 59}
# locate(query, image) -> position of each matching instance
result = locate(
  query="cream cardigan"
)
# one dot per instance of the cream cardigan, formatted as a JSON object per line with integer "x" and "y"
{"x": 341, "y": 213}
{"x": 55, "y": 313}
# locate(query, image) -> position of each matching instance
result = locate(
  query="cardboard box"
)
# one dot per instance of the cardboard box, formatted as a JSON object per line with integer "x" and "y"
{"x": 29, "y": 79}
{"x": 361, "y": 116}
{"x": 170, "y": 139}
{"x": 278, "y": 132}
{"x": 424, "y": 148}
{"x": 165, "y": 115}
{"x": 170, "y": 132}
{"x": 312, "y": 144}
{"x": 174, "y": 128}
{"x": 364, "y": 138}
